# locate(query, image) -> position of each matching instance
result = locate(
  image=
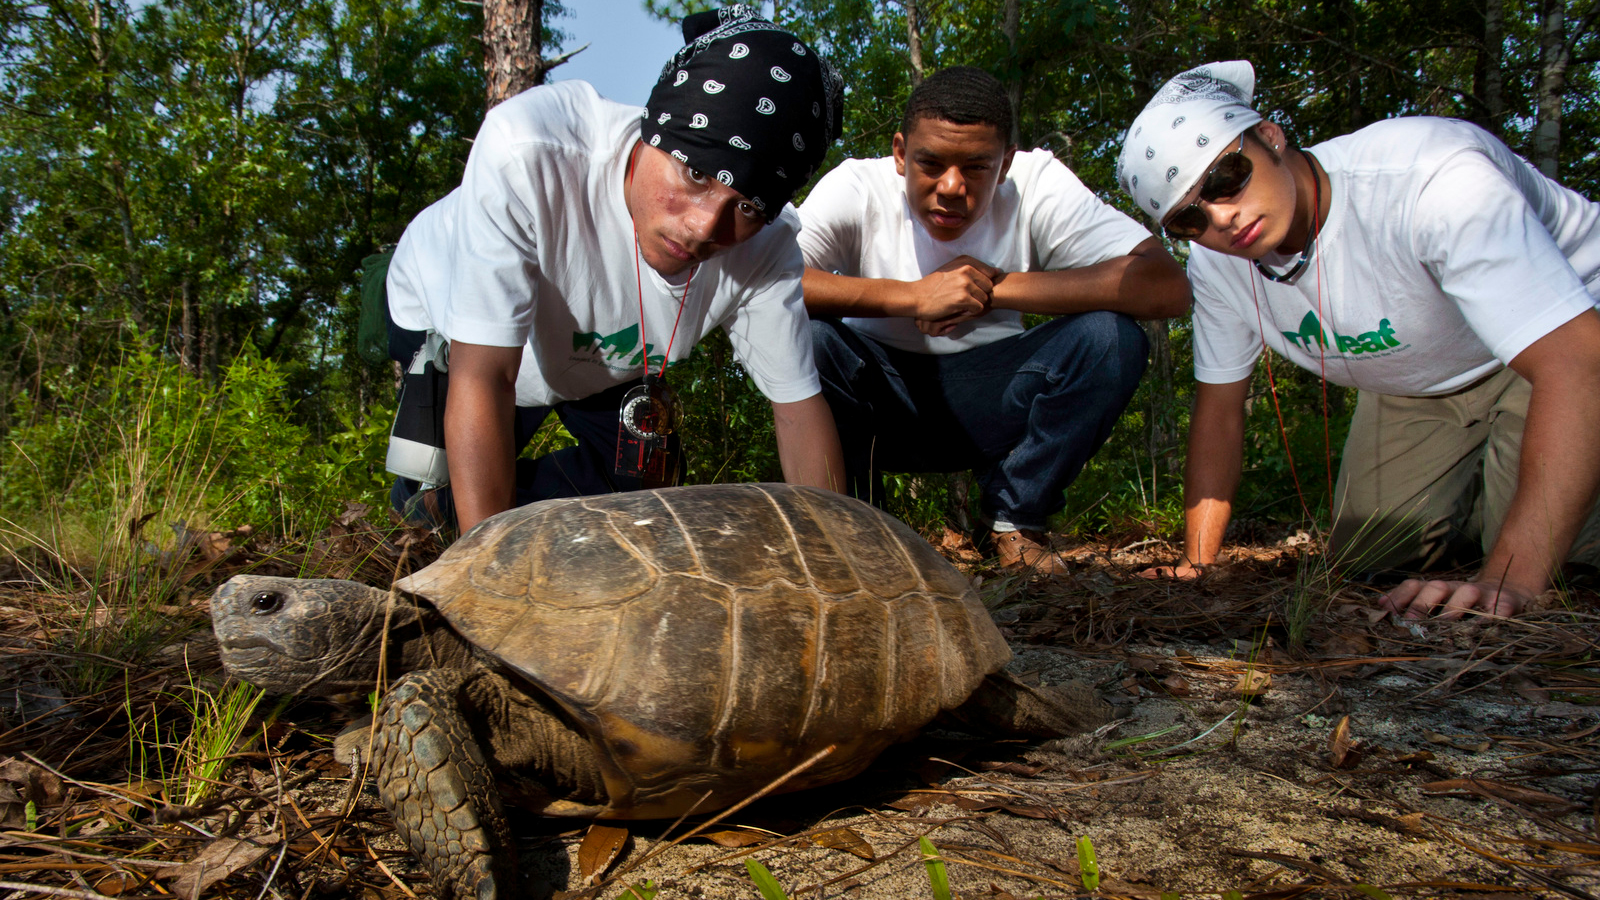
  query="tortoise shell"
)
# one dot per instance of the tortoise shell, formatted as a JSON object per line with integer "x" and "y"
{"x": 711, "y": 638}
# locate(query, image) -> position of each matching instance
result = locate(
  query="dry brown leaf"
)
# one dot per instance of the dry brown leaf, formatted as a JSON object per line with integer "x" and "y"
{"x": 1012, "y": 768}
{"x": 219, "y": 860}
{"x": 1340, "y": 744}
{"x": 1515, "y": 793}
{"x": 846, "y": 839}
{"x": 22, "y": 783}
{"x": 115, "y": 883}
{"x": 1353, "y": 644}
{"x": 600, "y": 848}
{"x": 1253, "y": 683}
{"x": 916, "y": 802}
{"x": 1176, "y": 685}
{"x": 1412, "y": 822}
{"x": 735, "y": 838}
{"x": 1030, "y": 812}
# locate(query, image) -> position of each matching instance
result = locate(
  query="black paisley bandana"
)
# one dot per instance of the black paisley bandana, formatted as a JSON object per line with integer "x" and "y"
{"x": 747, "y": 103}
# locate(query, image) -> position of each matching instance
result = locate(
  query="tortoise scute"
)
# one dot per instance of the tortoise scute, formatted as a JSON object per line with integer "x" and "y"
{"x": 738, "y": 543}
{"x": 873, "y": 543}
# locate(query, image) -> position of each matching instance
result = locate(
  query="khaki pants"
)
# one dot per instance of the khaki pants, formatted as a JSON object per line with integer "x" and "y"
{"x": 1426, "y": 482}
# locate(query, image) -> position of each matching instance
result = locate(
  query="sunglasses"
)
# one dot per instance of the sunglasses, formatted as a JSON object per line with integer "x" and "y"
{"x": 1227, "y": 177}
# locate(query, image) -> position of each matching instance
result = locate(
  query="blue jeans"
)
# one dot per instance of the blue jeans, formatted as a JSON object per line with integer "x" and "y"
{"x": 1024, "y": 413}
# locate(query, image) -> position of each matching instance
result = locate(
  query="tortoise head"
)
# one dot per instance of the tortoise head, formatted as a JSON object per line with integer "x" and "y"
{"x": 303, "y": 635}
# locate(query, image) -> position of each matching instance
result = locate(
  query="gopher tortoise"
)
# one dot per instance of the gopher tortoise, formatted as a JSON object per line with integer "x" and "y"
{"x": 638, "y": 655}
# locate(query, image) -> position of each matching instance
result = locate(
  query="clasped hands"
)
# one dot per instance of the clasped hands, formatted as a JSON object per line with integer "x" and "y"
{"x": 958, "y": 291}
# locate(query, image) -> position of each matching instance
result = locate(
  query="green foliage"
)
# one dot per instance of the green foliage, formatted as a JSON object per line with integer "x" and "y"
{"x": 765, "y": 883}
{"x": 150, "y": 438}
{"x": 219, "y": 720}
{"x": 938, "y": 877}
{"x": 728, "y": 432}
{"x": 645, "y": 890}
{"x": 1088, "y": 868}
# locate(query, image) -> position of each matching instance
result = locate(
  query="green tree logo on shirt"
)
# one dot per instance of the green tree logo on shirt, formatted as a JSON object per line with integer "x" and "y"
{"x": 615, "y": 351}
{"x": 1379, "y": 340}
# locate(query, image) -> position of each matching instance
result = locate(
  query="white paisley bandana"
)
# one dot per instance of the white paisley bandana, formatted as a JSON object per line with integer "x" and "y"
{"x": 1192, "y": 120}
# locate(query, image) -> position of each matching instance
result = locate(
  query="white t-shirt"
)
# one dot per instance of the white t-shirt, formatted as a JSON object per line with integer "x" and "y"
{"x": 858, "y": 222}
{"x": 536, "y": 249}
{"x": 1443, "y": 257}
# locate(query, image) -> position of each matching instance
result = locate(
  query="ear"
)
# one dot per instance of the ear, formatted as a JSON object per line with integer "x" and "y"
{"x": 899, "y": 154}
{"x": 1271, "y": 134}
{"x": 1005, "y": 164}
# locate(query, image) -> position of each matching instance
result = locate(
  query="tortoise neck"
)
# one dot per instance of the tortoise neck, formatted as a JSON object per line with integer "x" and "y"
{"x": 425, "y": 641}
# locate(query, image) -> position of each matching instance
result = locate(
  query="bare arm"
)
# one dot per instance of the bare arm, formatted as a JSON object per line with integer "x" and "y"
{"x": 478, "y": 419}
{"x": 1557, "y": 480}
{"x": 959, "y": 288}
{"x": 1145, "y": 284}
{"x": 1211, "y": 475}
{"x": 808, "y": 443}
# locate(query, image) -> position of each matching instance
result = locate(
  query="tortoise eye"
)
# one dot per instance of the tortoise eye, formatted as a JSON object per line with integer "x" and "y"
{"x": 266, "y": 602}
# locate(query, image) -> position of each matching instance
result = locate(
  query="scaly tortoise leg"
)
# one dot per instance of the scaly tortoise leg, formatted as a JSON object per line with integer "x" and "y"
{"x": 434, "y": 780}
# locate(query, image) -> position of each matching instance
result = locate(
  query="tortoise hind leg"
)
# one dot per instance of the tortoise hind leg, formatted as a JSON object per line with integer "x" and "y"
{"x": 1002, "y": 705}
{"x": 434, "y": 780}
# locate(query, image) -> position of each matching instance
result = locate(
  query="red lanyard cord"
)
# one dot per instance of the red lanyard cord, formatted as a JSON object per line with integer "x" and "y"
{"x": 1272, "y": 383}
{"x": 638, "y": 279}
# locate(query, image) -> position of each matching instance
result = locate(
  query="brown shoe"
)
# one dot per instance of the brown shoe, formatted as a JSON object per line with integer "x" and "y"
{"x": 1027, "y": 551}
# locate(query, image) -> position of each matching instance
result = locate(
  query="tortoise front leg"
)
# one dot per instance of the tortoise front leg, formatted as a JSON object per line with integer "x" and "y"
{"x": 434, "y": 780}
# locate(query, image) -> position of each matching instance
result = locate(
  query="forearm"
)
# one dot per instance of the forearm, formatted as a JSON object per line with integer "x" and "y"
{"x": 1211, "y": 474}
{"x": 831, "y": 294}
{"x": 1146, "y": 284}
{"x": 1559, "y": 471}
{"x": 478, "y": 433}
{"x": 808, "y": 443}
{"x": 1557, "y": 480}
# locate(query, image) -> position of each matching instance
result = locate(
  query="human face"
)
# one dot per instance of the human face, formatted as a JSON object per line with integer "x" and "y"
{"x": 1258, "y": 219}
{"x": 951, "y": 172}
{"x": 683, "y": 216}
{"x": 1223, "y": 181}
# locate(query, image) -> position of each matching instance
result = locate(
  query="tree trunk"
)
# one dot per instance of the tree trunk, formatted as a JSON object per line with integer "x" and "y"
{"x": 1161, "y": 424}
{"x": 1493, "y": 90}
{"x": 188, "y": 348}
{"x": 914, "y": 40}
{"x": 1553, "y": 57}
{"x": 1012, "y": 26}
{"x": 512, "y": 47}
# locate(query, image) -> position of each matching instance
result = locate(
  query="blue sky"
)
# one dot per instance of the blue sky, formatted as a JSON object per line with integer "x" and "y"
{"x": 626, "y": 47}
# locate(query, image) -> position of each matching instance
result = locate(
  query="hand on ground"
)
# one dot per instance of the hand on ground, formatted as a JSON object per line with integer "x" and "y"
{"x": 958, "y": 290}
{"x": 1183, "y": 571}
{"x": 1416, "y": 598}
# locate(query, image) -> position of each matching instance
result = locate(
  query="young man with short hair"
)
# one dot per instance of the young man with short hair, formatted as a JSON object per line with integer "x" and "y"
{"x": 919, "y": 268}
{"x": 1421, "y": 262}
{"x": 591, "y": 242}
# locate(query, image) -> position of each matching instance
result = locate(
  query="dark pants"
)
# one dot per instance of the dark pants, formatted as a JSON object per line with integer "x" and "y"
{"x": 1025, "y": 413}
{"x": 577, "y": 471}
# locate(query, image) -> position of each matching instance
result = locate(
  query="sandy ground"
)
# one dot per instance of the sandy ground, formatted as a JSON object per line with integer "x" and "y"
{"x": 1421, "y": 760}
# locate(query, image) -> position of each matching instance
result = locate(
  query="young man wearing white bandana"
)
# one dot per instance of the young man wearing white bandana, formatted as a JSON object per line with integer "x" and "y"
{"x": 591, "y": 241}
{"x": 928, "y": 259}
{"x": 1423, "y": 263}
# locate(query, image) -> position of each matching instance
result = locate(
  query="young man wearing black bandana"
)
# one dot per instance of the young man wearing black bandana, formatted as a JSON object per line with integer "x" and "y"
{"x": 591, "y": 242}
{"x": 929, "y": 258}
